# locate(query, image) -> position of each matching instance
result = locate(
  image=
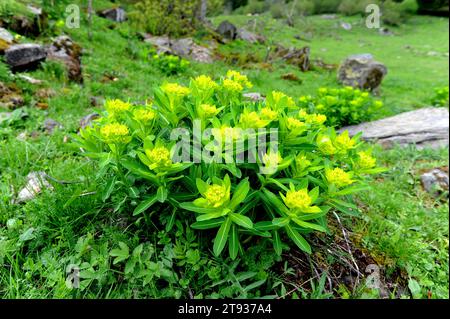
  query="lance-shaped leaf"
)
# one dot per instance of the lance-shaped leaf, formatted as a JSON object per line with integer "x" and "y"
{"x": 222, "y": 236}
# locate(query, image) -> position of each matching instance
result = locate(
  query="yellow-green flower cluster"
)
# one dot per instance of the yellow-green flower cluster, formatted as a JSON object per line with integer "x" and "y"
{"x": 343, "y": 142}
{"x": 239, "y": 78}
{"x": 159, "y": 157}
{"x": 295, "y": 125}
{"x": 278, "y": 100}
{"x": 232, "y": 86}
{"x": 297, "y": 199}
{"x": 252, "y": 120}
{"x": 115, "y": 133}
{"x": 116, "y": 107}
{"x": 268, "y": 114}
{"x": 338, "y": 177}
{"x": 325, "y": 145}
{"x": 216, "y": 195}
{"x": 144, "y": 115}
{"x": 207, "y": 110}
{"x": 205, "y": 83}
{"x": 174, "y": 89}
{"x": 365, "y": 160}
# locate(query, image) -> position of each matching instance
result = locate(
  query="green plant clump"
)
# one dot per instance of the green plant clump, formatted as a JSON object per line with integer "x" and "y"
{"x": 441, "y": 97}
{"x": 166, "y": 63}
{"x": 280, "y": 191}
{"x": 346, "y": 106}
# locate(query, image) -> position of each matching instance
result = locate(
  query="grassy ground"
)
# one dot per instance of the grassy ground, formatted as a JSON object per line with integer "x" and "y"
{"x": 404, "y": 229}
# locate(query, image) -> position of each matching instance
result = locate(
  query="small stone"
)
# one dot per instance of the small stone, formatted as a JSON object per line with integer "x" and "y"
{"x": 346, "y": 26}
{"x": 88, "y": 119}
{"x": 435, "y": 181}
{"x": 29, "y": 79}
{"x": 51, "y": 125}
{"x": 254, "y": 96}
{"x": 36, "y": 183}
{"x": 245, "y": 35}
{"x": 291, "y": 77}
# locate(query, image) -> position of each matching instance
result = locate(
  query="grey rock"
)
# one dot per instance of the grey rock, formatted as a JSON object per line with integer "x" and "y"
{"x": 227, "y": 30}
{"x": 185, "y": 47}
{"x": 67, "y": 51}
{"x": 346, "y": 26}
{"x": 51, "y": 125}
{"x": 36, "y": 183}
{"x": 435, "y": 181}
{"x": 245, "y": 35}
{"x": 362, "y": 71}
{"x": 25, "y": 56}
{"x": 29, "y": 79}
{"x": 114, "y": 14}
{"x": 88, "y": 119}
{"x": 426, "y": 128}
{"x": 6, "y": 36}
{"x": 298, "y": 57}
{"x": 254, "y": 96}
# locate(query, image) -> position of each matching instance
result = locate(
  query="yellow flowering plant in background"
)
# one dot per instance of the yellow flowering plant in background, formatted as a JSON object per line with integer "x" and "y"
{"x": 148, "y": 158}
{"x": 342, "y": 107}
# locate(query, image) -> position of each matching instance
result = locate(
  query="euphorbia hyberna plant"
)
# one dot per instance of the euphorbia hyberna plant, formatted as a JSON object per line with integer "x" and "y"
{"x": 314, "y": 169}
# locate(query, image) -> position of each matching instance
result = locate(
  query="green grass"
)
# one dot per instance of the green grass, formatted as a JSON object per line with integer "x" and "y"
{"x": 403, "y": 228}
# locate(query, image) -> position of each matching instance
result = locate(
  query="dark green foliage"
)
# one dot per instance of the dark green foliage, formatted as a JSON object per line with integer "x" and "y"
{"x": 159, "y": 17}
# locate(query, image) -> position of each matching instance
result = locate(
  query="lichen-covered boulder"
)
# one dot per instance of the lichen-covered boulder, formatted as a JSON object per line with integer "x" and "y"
{"x": 435, "y": 181}
{"x": 247, "y": 36}
{"x": 227, "y": 30}
{"x": 114, "y": 14}
{"x": 185, "y": 47}
{"x": 6, "y": 39}
{"x": 63, "y": 49}
{"x": 362, "y": 71}
{"x": 25, "y": 56}
{"x": 426, "y": 128}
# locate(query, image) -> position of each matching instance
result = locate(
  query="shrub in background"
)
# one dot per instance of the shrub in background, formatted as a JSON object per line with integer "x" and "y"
{"x": 159, "y": 17}
{"x": 233, "y": 204}
{"x": 168, "y": 64}
{"x": 342, "y": 107}
{"x": 441, "y": 97}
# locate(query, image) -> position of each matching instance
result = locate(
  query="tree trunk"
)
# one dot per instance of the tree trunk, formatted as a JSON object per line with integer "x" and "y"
{"x": 202, "y": 10}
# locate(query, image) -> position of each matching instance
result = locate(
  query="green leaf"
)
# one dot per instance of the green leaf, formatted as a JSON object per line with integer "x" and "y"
{"x": 221, "y": 237}
{"x": 171, "y": 221}
{"x": 204, "y": 217}
{"x": 240, "y": 193}
{"x": 304, "y": 224}
{"x": 298, "y": 239}
{"x": 280, "y": 222}
{"x": 264, "y": 226}
{"x": 191, "y": 207}
{"x": 208, "y": 224}
{"x": 352, "y": 190}
{"x": 122, "y": 253}
{"x": 233, "y": 243}
{"x": 277, "y": 243}
{"x": 241, "y": 220}
{"x": 201, "y": 186}
{"x": 272, "y": 200}
{"x": 161, "y": 194}
{"x": 109, "y": 188}
{"x": 144, "y": 205}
